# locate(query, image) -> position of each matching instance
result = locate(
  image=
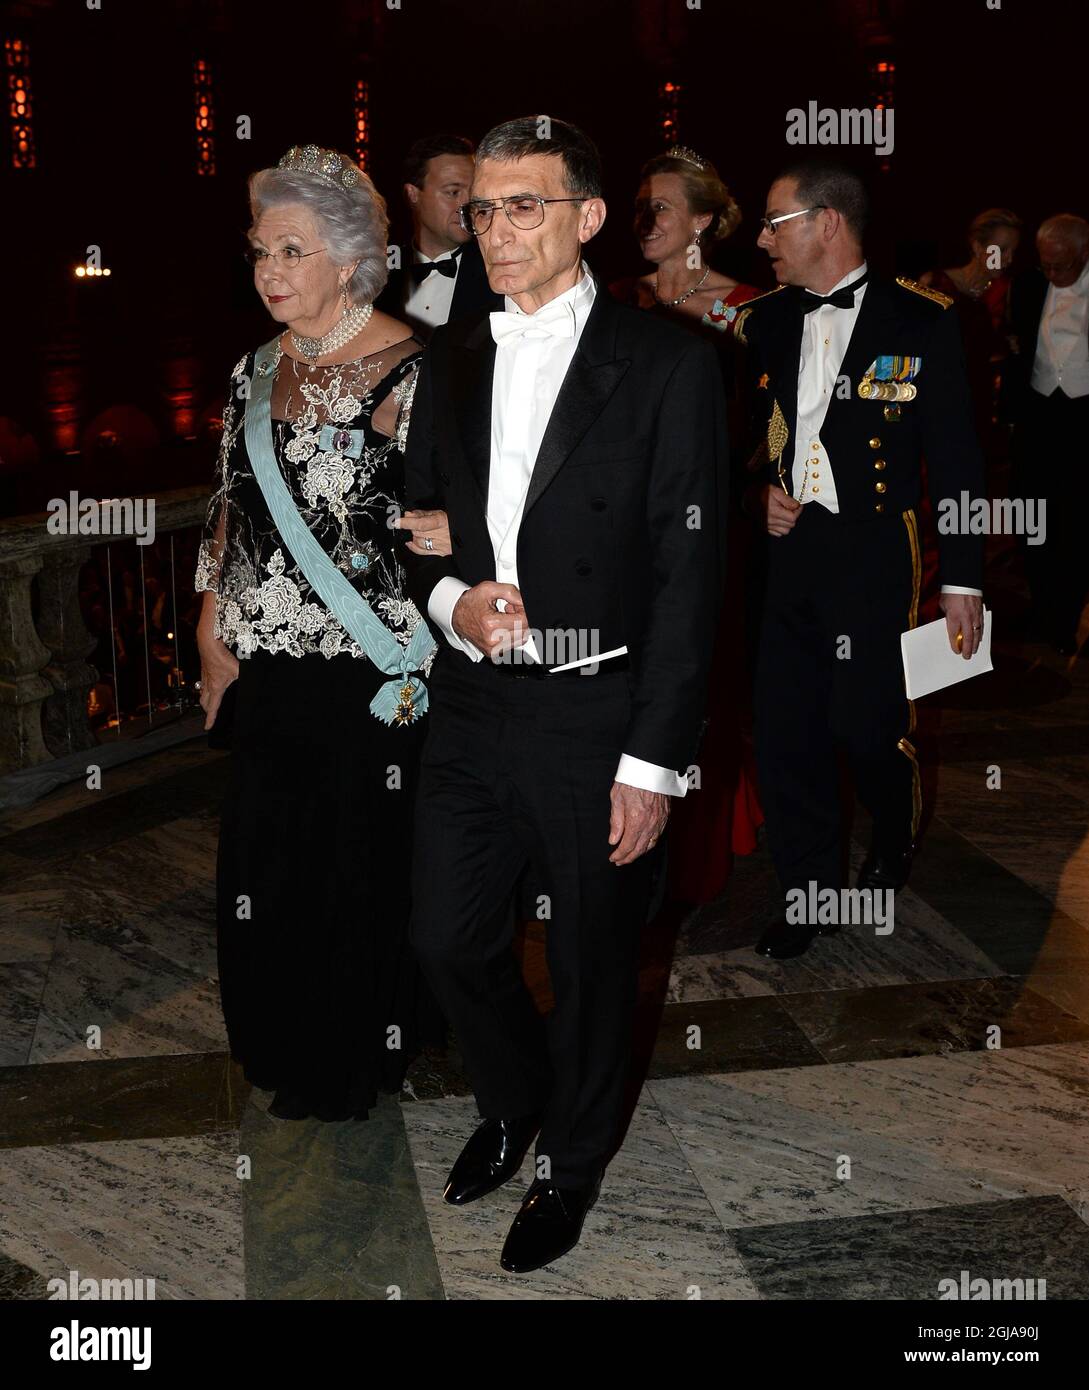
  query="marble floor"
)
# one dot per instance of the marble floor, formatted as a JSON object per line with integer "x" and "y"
{"x": 858, "y": 1123}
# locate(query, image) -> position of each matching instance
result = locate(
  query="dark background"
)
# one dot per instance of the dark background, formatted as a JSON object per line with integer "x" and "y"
{"x": 119, "y": 382}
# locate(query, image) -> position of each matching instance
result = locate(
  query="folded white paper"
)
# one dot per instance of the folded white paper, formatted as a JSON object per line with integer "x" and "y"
{"x": 931, "y": 664}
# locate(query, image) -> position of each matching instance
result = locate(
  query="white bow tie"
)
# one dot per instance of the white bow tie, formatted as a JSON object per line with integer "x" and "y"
{"x": 549, "y": 322}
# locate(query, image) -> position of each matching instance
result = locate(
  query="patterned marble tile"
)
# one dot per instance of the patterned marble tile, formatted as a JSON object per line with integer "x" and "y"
{"x": 125, "y": 777}
{"x": 903, "y": 1020}
{"x": 1015, "y": 924}
{"x": 135, "y": 951}
{"x": 102, "y": 822}
{"x": 19, "y": 1283}
{"x": 923, "y": 947}
{"x": 134, "y": 1098}
{"x": 21, "y": 985}
{"x": 905, "y": 1255}
{"x": 733, "y": 1035}
{"x": 651, "y": 1235}
{"x": 333, "y": 1210}
{"x": 921, "y": 1131}
{"x": 166, "y": 1209}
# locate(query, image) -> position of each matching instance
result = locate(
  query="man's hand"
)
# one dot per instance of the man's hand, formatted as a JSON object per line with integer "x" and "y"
{"x": 636, "y": 821}
{"x": 476, "y": 618}
{"x": 780, "y": 511}
{"x": 963, "y": 614}
{"x": 426, "y": 525}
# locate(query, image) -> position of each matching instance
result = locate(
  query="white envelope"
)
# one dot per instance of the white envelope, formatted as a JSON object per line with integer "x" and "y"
{"x": 931, "y": 664}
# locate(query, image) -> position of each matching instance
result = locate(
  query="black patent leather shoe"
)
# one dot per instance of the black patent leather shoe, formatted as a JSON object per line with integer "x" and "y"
{"x": 881, "y": 871}
{"x": 493, "y": 1156}
{"x": 784, "y": 939}
{"x": 548, "y": 1225}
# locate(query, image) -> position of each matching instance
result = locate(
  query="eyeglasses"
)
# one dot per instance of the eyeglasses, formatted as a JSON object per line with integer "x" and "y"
{"x": 770, "y": 224}
{"x": 524, "y": 211}
{"x": 288, "y": 258}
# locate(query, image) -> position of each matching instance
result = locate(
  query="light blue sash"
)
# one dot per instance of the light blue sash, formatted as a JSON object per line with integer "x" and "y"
{"x": 399, "y": 701}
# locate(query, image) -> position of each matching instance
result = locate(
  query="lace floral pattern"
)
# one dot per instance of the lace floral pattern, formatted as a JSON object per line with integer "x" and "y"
{"x": 346, "y": 478}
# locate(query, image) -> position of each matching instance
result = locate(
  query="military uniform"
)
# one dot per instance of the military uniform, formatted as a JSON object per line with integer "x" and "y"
{"x": 843, "y": 585}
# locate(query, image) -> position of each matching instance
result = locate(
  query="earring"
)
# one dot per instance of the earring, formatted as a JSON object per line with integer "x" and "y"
{"x": 344, "y": 292}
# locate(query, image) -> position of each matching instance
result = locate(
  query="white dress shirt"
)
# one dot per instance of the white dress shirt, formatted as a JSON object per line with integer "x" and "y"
{"x": 530, "y": 366}
{"x": 1062, "y": 344}
{"x": 825, "y": 338}
{"x": 427, "y": 305}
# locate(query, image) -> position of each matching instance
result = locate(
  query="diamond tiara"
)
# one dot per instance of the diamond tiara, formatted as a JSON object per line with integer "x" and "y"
{"x": 682, "y": 152}
{"x": 328, "y": 165}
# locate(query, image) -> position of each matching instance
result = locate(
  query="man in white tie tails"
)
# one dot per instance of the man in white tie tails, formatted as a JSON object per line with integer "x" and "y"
{"x": 579, "y": 449}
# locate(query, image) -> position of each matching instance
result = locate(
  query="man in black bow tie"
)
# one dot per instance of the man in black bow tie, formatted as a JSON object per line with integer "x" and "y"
{"x": 579, "y": 448}
{"x": 440, "y": 276}
{"x": 855, "y": 378}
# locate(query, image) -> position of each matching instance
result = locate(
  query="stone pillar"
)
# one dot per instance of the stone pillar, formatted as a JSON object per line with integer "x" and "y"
{"x": 22, "y": 656}
{"x": 62, "y": 629}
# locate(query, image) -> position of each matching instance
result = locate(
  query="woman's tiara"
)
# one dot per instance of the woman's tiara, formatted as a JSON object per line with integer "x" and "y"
{"x": 327, "y": 165}
{"x": 682, "y": 152}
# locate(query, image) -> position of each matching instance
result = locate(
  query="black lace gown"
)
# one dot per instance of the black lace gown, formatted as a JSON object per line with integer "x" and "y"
{"x": 320, "y": 992}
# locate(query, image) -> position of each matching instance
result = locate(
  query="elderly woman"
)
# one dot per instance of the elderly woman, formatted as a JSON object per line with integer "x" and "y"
{"x": 305, "y": 607}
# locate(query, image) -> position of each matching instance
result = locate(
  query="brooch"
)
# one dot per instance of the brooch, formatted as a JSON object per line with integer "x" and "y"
{"x": 335, "y": 439}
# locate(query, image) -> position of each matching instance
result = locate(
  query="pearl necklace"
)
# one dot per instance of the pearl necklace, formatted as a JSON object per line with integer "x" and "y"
{"x": 687, "y": 294}
{"x": 350, "y": 324}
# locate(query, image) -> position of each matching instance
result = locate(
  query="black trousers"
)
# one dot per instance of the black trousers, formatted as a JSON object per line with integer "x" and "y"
{"x": 830, "y": 676}
{"x": 518, "y": 771}
{"x": 1049, "y": 446}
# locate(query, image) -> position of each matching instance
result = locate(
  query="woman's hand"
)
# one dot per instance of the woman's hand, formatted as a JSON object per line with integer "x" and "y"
{"x": 218, "y": 664}
{"x": 433, "y": 526}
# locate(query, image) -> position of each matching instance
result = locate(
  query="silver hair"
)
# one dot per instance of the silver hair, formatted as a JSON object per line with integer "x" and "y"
{"x": 1067, "y": 227}
{"x": 351, "y": 221}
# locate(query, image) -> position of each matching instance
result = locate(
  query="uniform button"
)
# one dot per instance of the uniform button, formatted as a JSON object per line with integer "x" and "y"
{"x": 816, "y": 475}
{"x": 583, "y": 569}
{"x": 880, "y": 487}
{"x": 879, "y": 506}
{"x": 875, "y": 443}
{"x": 444, "y": 477}
{"x": 816, "y": 490}
{"x": 598, "y": 504}
{"x": 816, "y": 447}
{"x": 879, "y": 464}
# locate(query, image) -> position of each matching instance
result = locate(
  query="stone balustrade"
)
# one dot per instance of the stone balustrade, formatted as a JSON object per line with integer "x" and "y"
{"x": 44, "y": 671}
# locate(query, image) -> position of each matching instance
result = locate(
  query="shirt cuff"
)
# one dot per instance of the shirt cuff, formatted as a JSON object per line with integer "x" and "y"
{"x": 649, "y": 777}
{"x": 956, "y": 589}
{"x": 440, "y": 609}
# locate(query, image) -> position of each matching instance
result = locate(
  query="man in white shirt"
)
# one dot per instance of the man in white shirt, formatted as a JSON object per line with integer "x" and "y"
{"x": 1046, "y": 388}
{"x": 855, "y": 377}
{"x": 440, "y": 276}
{"x": 578, "y": 447}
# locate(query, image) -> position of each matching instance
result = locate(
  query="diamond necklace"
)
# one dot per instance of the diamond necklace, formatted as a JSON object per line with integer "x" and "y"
{"x": 350, "y": 324}
{"x": 687, "y": 294}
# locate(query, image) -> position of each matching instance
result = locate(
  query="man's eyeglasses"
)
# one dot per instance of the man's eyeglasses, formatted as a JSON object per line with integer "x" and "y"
{"x": 524, "y": 211}
{"x": 288, "y": 258}
{"x": 770, "y": 224}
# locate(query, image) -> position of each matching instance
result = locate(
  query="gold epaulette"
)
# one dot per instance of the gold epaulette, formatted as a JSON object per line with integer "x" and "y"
{"x": 747, "y": 308}
{"x": 944, "y": 300}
